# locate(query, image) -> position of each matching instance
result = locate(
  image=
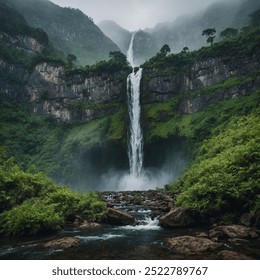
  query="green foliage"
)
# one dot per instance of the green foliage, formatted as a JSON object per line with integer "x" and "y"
{"x": 118, "y": 57}
{"x": 117, "y": 127}
{"x": 245, "y": 44}
{"x": 209, "y": 33}
{"x": 13, "y": 23}
{"x": 165, "y": 49}
{"x": 163, "y": 119}
{"x": 32, "y": 217}
{"x": 115, "y": 64}
{"x": 70, "y": 59}
{"x": 31, "y": 203}
{"x": 69, "y": 204}
{"x": 225, "y": 177}
{"x": 228, "y": 32}
{"x": 172, "y": 64}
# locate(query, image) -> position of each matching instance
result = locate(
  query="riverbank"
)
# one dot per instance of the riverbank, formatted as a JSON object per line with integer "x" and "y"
{"x": 145, "y": 239}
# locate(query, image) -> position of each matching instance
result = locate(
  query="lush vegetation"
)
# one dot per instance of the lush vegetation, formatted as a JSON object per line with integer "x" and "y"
{"x": 116, "y": 63}
{"x": 224, "y": 180}
{"x": 13, "y": 23}
{"x": 69, "y": 30}
{"x": 242, "y": 45}
{"x": 32, "y": 203}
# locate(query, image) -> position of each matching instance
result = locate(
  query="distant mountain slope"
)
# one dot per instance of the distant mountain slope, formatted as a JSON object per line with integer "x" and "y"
{"x": 116, "y": 33}
{"x": 186, "y": 31}
{"x": 70, "y": 30}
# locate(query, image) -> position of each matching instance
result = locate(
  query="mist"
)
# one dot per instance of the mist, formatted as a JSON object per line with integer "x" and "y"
{"x": 107, "y": 168}
{"x": 135, "y": 14}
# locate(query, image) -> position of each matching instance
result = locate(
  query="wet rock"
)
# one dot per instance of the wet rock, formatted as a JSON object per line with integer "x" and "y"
{"x": 245, "y": 219}
{"x": 232, "y": 255}
{"x": 237, "y": 240}
{"x": 78, "y": 220}
{"x": 202, "y": 234}
{"x": 177, "y": 217}
{"x": 191, "y": 245}
{"x": 89, "y": 225}
{"x": 232, "y": 231}
{"x": 118, "y": 217}
{"x": 63, "y": 243}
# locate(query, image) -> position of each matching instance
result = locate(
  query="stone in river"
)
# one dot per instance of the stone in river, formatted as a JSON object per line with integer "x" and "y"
{"x": 63, "y": 243}
{"x": 177, "y": 217}
{"x": 118, "y": 217}
{"x": 191, "y": 245}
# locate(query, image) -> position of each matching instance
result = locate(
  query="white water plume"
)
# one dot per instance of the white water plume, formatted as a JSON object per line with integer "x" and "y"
{"x": 135, "y": 138}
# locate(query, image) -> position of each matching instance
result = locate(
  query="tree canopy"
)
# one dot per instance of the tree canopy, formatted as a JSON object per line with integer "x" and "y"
{"x": 210, "y": 34}
{"x": 228, "y": 32}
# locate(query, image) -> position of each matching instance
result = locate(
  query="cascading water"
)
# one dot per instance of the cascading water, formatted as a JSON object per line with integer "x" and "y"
{"x": 135, "y": 138}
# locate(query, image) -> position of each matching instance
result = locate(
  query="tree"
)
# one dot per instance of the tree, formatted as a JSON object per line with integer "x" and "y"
{"x": 255, "y": 18}
{"x": 71, "y": 58}
{"x": 185, "y": 49}
{"x": 228, "y": 32}
{"x": 165, "y": 49}
{"x": 118, "y": 57}
{"x": 210, "y": 33}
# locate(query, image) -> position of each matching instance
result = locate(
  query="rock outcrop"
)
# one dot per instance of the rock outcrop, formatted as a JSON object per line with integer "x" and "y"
{"x": 232, "y": 231}
{"x": 118, "y": 217}
{"x": 160, "y": 87}
{"x": 177, "y": 217}
{"x": 77, "y": 98}
{"x": 62, "y": 243}
{"x": 191, "y": 245}
{"x": 232, "y": 255}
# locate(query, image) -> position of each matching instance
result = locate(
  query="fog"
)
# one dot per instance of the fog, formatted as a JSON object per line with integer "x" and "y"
{"x": 138, "y": 14}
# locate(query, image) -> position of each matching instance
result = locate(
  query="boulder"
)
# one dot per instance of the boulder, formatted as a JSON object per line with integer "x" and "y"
{"x": 177, "y": 217}
{"x": 191, "y": 245}
{"x": 118, "y": 217}
{"x": 62, "y": 243}
{"x": 232, "y": 255}
{"x": 232, "y": 231}
{"x": 88, "y": 225}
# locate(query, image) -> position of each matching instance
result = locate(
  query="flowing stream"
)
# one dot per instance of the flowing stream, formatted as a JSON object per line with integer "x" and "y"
{"x": 146, "y": 240}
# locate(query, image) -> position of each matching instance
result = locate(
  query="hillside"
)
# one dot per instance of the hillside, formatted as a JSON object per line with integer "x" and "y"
{"x": 186, "y": 31}
{"x": 116, "y": 33}
{"x": 70, "y": 30}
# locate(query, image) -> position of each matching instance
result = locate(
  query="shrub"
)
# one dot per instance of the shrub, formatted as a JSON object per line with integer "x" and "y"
{"x": 225, "y": 177}
{"x": 31, "y": 217}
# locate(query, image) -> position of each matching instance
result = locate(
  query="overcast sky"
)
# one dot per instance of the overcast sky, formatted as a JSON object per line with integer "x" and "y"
{"x": 137, "y": 14}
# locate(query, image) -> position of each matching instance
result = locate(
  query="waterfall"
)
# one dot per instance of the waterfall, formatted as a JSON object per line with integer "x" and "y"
{"x": 135, "y": 137}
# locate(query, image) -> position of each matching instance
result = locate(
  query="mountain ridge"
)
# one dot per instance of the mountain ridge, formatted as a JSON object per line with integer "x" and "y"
{"x": 70, "y": 30}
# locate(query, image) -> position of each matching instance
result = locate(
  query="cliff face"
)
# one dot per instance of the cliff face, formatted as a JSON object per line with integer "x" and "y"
{"x": 69, "y": 98}
{"x": 76, "y": 98}
{"x": 203, "y": 74}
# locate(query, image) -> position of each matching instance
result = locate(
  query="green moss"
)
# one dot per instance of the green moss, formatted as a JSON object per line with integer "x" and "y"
{"x": 87, "y": 135}
{"x": 163, "y": 120}
{"x": 117, "y": 126}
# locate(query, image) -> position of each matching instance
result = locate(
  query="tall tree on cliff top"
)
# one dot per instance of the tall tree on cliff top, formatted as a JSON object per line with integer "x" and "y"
{"x": 210, "y": 34}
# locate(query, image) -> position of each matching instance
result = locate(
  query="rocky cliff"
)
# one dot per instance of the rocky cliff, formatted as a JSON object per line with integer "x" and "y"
{"x": 199, "y": 80}
{"x": 50, "y": 89}
{"x": 75, "y": 98}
